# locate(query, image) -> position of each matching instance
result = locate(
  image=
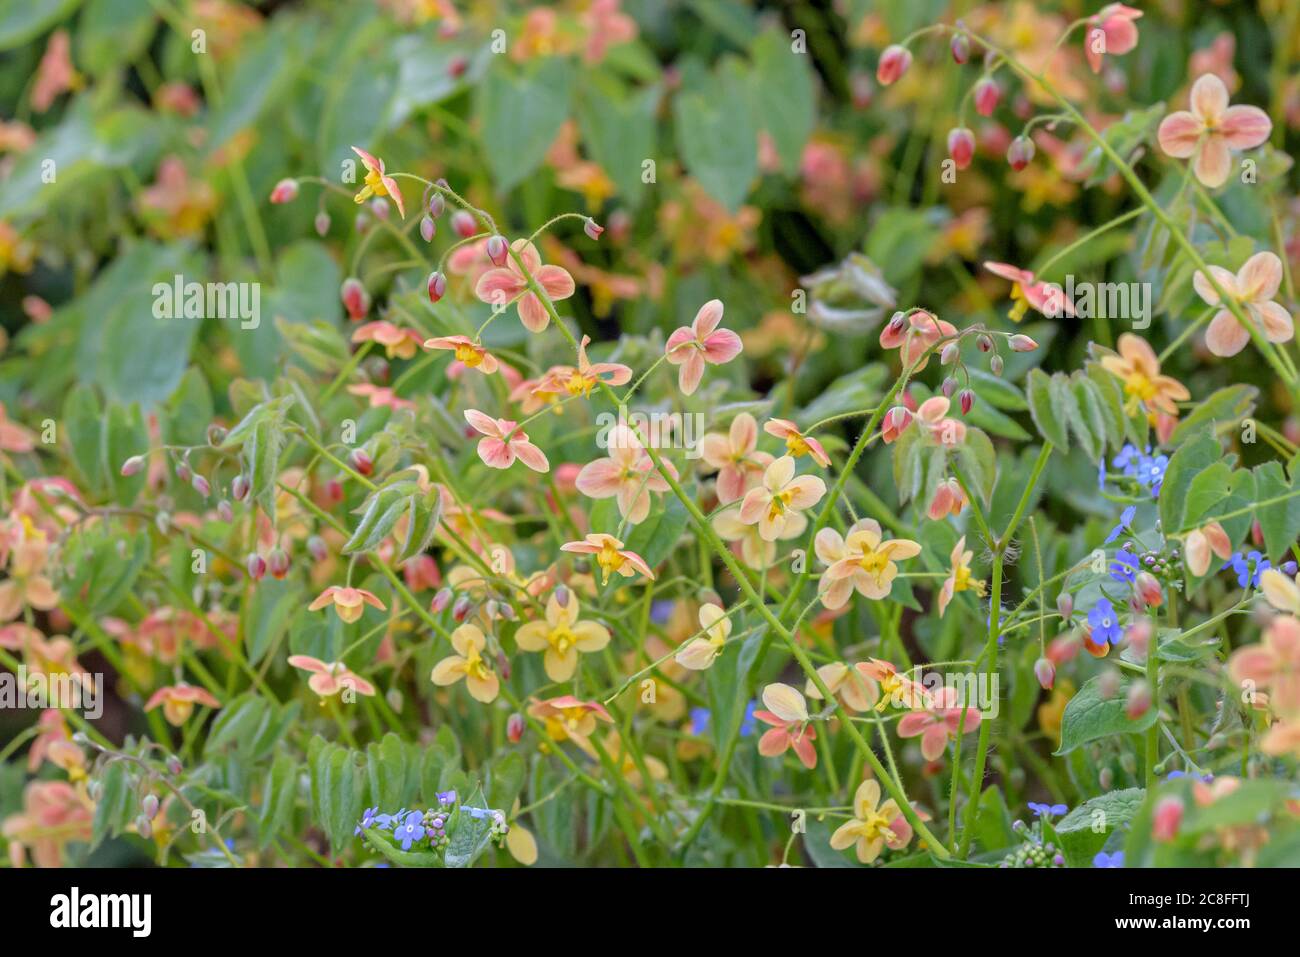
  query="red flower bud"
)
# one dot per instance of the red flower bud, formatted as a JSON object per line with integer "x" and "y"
{"x": 322, "y": 223}
{"x": 460, "y": 611}
{"x": 515, "y": 727}
{"x": 334, "y": 490}
{"x": 278, "y": 563}
{"x": 440, "y": 601}
{"x": 362, "y": 462}
{"x": 592, "y": 228}
{"x": 1020, "y": 152}
{"x": 437, "y": 286}
{"x": 961, "y": 146}
{"x": 462, "y": 223}
{"x": 1138, "y": 701}
{"x": 893, "y": 64}
{"x": 984, "y": 342}
{"x": 1148, "y": 590}
{"x": 355, "y": 298}
{"x": 457, "y": 66}
{"x": 497, "y": 250}
{"x": 987, "y": 94}
{"x": 285, "y": 191}
{"x": 967, "y": 400}
{"x": 256, "y": 566}
{"x": 239, "y": 487}
{"x": 960, "y": 47}
{"x": 1168, "y": 818}
{"x": 1045, "y": 672}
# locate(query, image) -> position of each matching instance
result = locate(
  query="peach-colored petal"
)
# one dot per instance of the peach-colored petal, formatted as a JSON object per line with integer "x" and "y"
{"x": 1213, "y": 164}
{"x": 1179, "y": 133}
{"x": 1244, "y": 127}
{"x": 707, "y": 319}
{"x": 1260, "y": 277}
{"x": 1209, "y": 98}
{"x": 1275, "y": 321}
{"x": 1226, "y": 336}
{"x": 691, "y": 372}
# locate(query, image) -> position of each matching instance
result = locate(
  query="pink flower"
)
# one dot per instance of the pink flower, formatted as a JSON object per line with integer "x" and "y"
{"x": 1110, "y": 30}
{"x": 378, "y": 182}
{"x": 933, "y": 417}
{"x": 583, "y": 379}
{"x": 398, "y": 343}
{"x": 628, "y": 474}
{"x": 1212, "y": 130}
{"x": 781, "y": 495}
{"x": 380, "y": 396}
{"x": 862, "y": 560}
{"x": 178, "y": 702}
{"x": 1168, "y": 818}
{"x": 691, "y": 347}
{"x": 791, "y": 728}
{"x": 329, "y": 678}
{"x": 895, "y": 423}
{"x": 949, "y": 499}
{"x": 894, "y": 62}
{"x": 916, "y": 333}
{"x": 611, "y": 556}
{"x": 796, "y": 443}
{"x": 503, "y": 442}
{"x": 939, "y": 723}
{"x": 503, "y": 285}
{"x": 347, "y": 602}
{"x": 1200, "y": 542}
{"x": 1273, "y": 664}
{"x": 1253, "y": 287}
{"x": 1026, "y": 292}
{"x": 469, "y": 352}
{"x": 735, "y": 458}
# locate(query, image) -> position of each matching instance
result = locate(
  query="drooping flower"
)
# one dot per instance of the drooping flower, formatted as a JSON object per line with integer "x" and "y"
{"x": 1027, "y": 292}
{"x": 1138, "y": 368}
{"x": 755, "y": 550}
{"x": 735, "y": 457}
{"x": 506, "y": 284}
{"x": 398, "y": 343}
{"x": 895, "y": 688}
{"x": 569, "y": 718}
{"x": 329, "y": 678}
{"x": 872, "y": 827}
{"x": 473, "y": 354}
{"x": 580, "y": 381}
{"x": 503, "y": 442}
{"x": 916, "y": 332}
{"x": 863, "y": 560}
{"x": 701, "y": 342}
{"x": 949, "y": 498}
{"x": 1253, "y": 288}
{"x": 378, "y": 396}
{"x": 853, "y": 685}
{"x": 377, "y": 182}
{"x": 787, "y": 713}
{"x": 796, "y": 443}
{"x": 944, "y": 720}
{"x": 611, "y": 556}
{"x": 959, "y": 579}
{"x": 933, "y": 417}
{"x": 347, "y": 601}
{"x": 1104, "y": 622}
{"x": 1201, "y": 542}
{"x": 468, "y": 663}
{"x": 1212, "y": 130}
{"x": 1110, "y": 30}
{"x": 699, "y": 653}
{"x": 178, "y": 702}
{"x": 628, "y": 474}
{"x": 781, "y": 494}
{"x": 562, "y": 637}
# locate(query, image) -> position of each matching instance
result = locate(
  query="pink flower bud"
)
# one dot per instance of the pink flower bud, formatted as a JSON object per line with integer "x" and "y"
{"x": 960, "y": 47}
{"x": 1021, "y": 343}
{"x": 949, "y": 387}
{"x": 1108, "y": 683}
{"x": 379, "y": 206}
{"x": 334, "y": 490}
{"x": 497, "y": 250}
{"x": 428, "y": 228}
{"x": 441, "y": 599}
{"x": 355, "y": 298}
{"x": 462, "y": 224}
{"x": 437, "y": 286}
{"x": 225, "y": 512}
{"x": 893, "y": 64}
{"x": 460, "y": 610}
{"x": 256, "y": 566}
{"x": 948, "y": 355}
{"x": 562, "y": 596}
{"x": 984, "y": 342}
{"x": 317, "y": 548}
{"x": 967, "y": 400}
{"x": 132, "y": 465}
{"x": 437, "y": 205}
{"x": 239, "y": 487}
{"x": 515, "y": 727}
{"x": 285, "y": 191}
{"x": 1138, "y": 701}
{"x": 457, "y": 66}
{"x": 1020, "y": 152}
{"x": 201, "y": 485}
{"x": 1148, "y": 590}
{"x": 1065, "y": 605}
{"x": 362, "y": 462}
{"x": 1045, "y": 672}
{"x": 503, "y": 666}
{"x": 183, "y": 472}
{"x": 961, "y": 146}
{"x": 1168, "y": 818}
{"x": 149, "y": 805}
{"x": 895, "y": 422}
{"x": 995, "y": 365}
{"x": 322, "y": 223}
{"x": 1139, "y": 637}
{"x": 174, "y": 766}
{"x": 987, "y": 94}
{"x": 592, "y": 228}
{"x": 278, "y": 563}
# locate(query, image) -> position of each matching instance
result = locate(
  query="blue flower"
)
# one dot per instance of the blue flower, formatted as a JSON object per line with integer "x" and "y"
{"x": 661, "y": 610}
{"x": 1104, "y": 622}
{"x": 410, "y": 830}
{"x": 1125, "y": 520}
{"x": 446, "y": 797}
{"x": 1151, "y": 472}
{"x": 369, "y": 819}
{"x": 1125, "y": 566}
{"x": 1047, "y": 811}
{"x": 1108, "y": 860}
{"x": 1248, "y": 568}
{"x": 699, "y": 720}
{"x": 747, "y": 723}
{"x": 1174, "y": 775}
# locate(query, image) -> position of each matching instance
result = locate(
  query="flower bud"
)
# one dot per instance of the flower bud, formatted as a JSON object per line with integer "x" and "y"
{"x": 278, "y": 563}
{"x": 1022, "y": 343}
{"x": 1288, "y": 568}
{"x": 460, "y": 610}
{"x": 428, "y": 228}
{"x": 256, "y": 566}
{"x": 562, "y": 596}
{"x": 967, "y": 400}
{"x": 894, "y": 62}
{"x": 1045, "y": 672}
{"x": 174, "y": 766}
{"x": 497, "y": 249}
{"x": 285, "y": 191}
{"x": 441, "y": 599}
{"x": 515, "y": 727}
{"x": 1106, "y": 778}
{"x": 183, "y": 472}
{"x": 503, "y": 666}
{"x": 1020, "y": 152}
{"x": 1138, "y": 701}
{"x": 960, "y": 47}
{"x": 961, "y": 146}
{"x": 355, "y": 298}
{"x": 322, "y": 223}
{"x": 334, "y": 490}
{"x": 987, "y": 94}
{"x": 1167, "y": 819}
{"x": 225, "y": 512}
{"x": 437, "y": 286}
{"x": 437, "y": 205}
{"x": 1139, "y": 636}
{"x": 1148, "y": 590}
{"x": 216, "y": 435}
{"x": 949, "y": 387}
{"x": 507, "y": 611}
{"x": 995, "y": 365}
{"x": 895, "y": 422}
{"x": 361, "y": 461}
{"x": 132, "y": 465}
{"x": 984, "y": 342}
{"x": 897, "y": 323}
{"x": 462, "y": 224}
{"x": 317, "y": 548}
{"x": 592, "y": 228}
{"x": 1108, "y": 683}
{"x": 144, "y": 827}
{"x": 201, "y": 485}
{"x": 457, "y": 66}
{"x": 948, "y": 355}
{"x": 149, "y": 805}
{"x": 1065, "y": 605}
{"x": 379, "y": 206}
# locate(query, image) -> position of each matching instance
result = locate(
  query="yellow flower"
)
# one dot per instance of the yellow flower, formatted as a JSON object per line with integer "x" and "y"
{"x": 959, "y": 579}
{"x": 863, "y": 559}
{"x": 468, "y": 663}
{"x": 562, "y": 636}
{"x": 872, "y": 827}
{"x": 699, "y": 653}
{"x": 1138, "y": 367}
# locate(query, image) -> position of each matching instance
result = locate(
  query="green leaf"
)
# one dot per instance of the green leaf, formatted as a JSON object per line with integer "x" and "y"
{"x": 728, "y": 682}
{"x": 1084, "y": 831}
{"x": 1279, "y": 521}
{"x": 979, "y": 462}
{"x": 83, "y": 428}
{"x": 22, "y": 21}
{"x": 1089, "y": 716}
{"x": 787, "y": 97}
{"x": 1231, "y": 404}
{"x": 266, "y": 616}
{"x": 993, "y": 821}
{"x": 124, "y": 435}
{"x": 1044, "y": 411}
{"x": 112, "y": 32}
{"x": 188, "y": 411}
{"x": 336, "y": 793}
{"x": 505, "y": 779}
{"x": 386, "y": 765}
{"x": 717, "y": 136}
{"x": 522, "y": 109}
{"x": 618, "y": 129}
{"x": 113, "y": 809}
{"x": 1185, "y": 464}
{"x": 657, "y": 537}
{"x": 279, "y": 794}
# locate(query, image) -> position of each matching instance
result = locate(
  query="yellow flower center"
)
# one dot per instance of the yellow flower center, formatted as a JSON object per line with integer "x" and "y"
{"x": 609, "y": 560}
{"x": 561, "y": 638}
{"x": 874, "y": 563}
{"x": 375, "y": 183}
{"x": 578, "y": 384}
{"x": 1021, "y": 303}
{"x": 467, "y": 354}
{"x": 780, "y": 503}
{"x": 475, "y": 666}
{"x": 795, "y": 445}
{"x": 1139, "y": 388}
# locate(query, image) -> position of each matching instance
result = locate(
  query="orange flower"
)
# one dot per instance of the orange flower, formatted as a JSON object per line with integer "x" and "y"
{"x": 1139, "y": 369}
{"x": 471, "y": 353}
{"x": 796, "y": 443}
{"x": 569, "y": 718}
{"x": 347, "y": 602}
{"x": 377, "y": 182}
{"x": 329, "y": 678}
{"x": 611, "y": 556}
{"x": 398, "y": 343}
{"x": 1253, "y": 287}
{"x": 562, "y": 636}
{"x": 178, "y": 702}
{"x": 1212, "y": 130}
